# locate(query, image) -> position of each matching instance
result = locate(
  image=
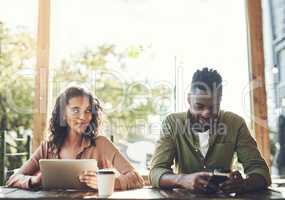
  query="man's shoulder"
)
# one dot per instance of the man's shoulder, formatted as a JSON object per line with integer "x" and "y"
{"x": 232, "y": 118}
{"x": 174, "y": 123}
{"x": 181, "y": 116}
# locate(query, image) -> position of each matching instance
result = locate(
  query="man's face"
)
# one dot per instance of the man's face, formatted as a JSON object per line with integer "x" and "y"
{"x": 204, "y": 107}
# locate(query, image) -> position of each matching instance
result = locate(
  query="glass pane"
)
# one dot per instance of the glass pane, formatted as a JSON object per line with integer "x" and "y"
{"x": 17, "y": 62}
{"x": 274, "y": 48}
{"x": 215, "y": 41}
{"x": 139, "y": 57}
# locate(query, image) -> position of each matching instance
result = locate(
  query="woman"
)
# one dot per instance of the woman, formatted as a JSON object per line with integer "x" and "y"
{"x": 74, "y": 134}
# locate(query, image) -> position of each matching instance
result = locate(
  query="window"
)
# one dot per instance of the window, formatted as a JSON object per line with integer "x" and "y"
{"x": 17, "y": 63}
{"x": 138, "y": 57}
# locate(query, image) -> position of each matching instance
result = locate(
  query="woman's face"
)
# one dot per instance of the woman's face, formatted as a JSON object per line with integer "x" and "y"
{"x": 78, "y": 114}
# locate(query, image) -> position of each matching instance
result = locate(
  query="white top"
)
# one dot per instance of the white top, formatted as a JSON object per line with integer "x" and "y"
{"x": 204, "y": 142}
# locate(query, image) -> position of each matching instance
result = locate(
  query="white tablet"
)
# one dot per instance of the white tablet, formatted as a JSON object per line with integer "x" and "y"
{"x": 63, "y": 173}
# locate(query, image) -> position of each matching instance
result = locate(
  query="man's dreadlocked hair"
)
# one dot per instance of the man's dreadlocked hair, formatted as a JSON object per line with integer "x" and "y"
{"x": 206, "y": 79}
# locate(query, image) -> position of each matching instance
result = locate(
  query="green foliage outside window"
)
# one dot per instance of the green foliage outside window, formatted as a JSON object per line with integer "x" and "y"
{"x": 17, "y": 53}
{"x": 127, "y": 101}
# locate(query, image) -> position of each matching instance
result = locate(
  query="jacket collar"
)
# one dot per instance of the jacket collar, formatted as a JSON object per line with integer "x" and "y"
{"x": 193, "y": 137}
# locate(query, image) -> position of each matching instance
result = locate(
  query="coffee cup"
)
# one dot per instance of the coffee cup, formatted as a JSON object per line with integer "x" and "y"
{"x": 105, "y": 181}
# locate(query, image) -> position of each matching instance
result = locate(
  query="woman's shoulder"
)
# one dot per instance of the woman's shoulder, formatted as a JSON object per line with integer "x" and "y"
{"x": 104, "y": 143}
{"x": 42, "y": 150}
{"x": 44, "y": 144}
{"x": 48, "y": 146}
{"x": 102, "y": 140}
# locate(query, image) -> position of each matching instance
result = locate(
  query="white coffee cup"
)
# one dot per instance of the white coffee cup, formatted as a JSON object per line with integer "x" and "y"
{"x": 105, "y": 181}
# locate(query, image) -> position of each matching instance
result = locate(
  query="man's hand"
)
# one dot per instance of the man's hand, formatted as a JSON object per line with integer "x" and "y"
{"x": 197, "y": 182}
{"x": 235, "y": 184}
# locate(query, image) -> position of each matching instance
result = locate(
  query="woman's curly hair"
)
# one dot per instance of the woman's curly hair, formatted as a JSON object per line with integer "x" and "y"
{"x": 58, "y": 127}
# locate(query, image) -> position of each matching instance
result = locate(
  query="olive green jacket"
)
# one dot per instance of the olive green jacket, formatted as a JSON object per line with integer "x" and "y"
{"x": 178, "y": 145}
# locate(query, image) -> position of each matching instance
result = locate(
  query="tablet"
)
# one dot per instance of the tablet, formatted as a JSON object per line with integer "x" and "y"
{"x": 63, "y": 173}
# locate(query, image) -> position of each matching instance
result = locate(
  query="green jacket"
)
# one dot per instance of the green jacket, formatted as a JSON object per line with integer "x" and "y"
{"x": 178, "y": 145}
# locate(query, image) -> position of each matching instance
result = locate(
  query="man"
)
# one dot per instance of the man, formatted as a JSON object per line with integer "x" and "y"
{"x": 206, "y": 138}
